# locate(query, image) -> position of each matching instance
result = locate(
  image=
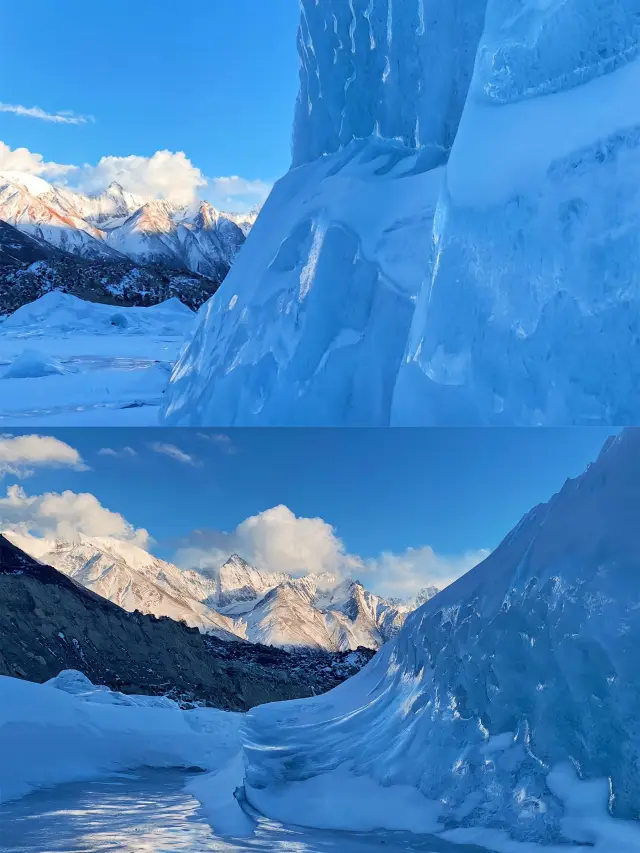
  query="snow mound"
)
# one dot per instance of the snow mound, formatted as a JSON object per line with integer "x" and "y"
{"x": 64, "y": 314}
{"x": 507, "y": 704}
{"x": 31, "y": 364}
{"x": 311, "y": 323}
{"x": 49, "y": 736}
{"x": 77, "y": 684}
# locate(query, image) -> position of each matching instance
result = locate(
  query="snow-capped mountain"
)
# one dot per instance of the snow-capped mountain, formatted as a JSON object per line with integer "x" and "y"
{"x": 234, "y": 601}
{"x": 115, "y": 224}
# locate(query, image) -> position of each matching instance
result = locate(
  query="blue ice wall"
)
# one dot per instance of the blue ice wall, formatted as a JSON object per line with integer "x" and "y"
{"x": 399, "y": 69}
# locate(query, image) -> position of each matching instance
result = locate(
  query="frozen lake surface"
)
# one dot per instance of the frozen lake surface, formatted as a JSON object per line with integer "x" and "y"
{"x": 150, "y": 811}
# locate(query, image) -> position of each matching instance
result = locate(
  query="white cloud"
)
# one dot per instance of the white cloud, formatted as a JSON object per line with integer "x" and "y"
{"x": 65, "y": 515}
{"x": 278, "y": 541}
{"x": 275, "y": 541}
{"x": 237, "y": 194}
{"x": 23, "y": 160}
{"x": 223, "y": 442}
{"x": 174, "y": 453}
{"x": 64, "y": 117}
{"x": 404, "y": 575}
{"x": 125, "y": 453}
{"x": 20, "y": 454}
{"x": 166, "y": 175}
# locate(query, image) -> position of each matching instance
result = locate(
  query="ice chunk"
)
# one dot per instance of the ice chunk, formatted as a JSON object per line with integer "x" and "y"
{"x": 32, "y": 363}
{"x": 311, "y": 323}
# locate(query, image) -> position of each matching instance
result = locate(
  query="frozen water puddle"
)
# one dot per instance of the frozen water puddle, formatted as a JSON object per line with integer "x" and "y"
{"x": 149, "y": 811}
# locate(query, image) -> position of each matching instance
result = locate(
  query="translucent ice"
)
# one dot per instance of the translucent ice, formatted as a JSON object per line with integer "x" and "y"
{"x": 531, "y": 314}
{"x": 508, "y": 702}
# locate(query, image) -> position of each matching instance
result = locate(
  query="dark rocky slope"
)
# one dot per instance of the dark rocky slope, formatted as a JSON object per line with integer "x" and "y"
{"x": 49, "y": 623}
{"x": 29, "y": 268}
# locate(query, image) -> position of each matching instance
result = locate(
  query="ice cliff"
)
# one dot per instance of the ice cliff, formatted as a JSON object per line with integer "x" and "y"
{"x": 312, "y": 322}
{"x": 457, "y": 241}
{"x": 507, "y": 704}
{"x": 531, "y": 313}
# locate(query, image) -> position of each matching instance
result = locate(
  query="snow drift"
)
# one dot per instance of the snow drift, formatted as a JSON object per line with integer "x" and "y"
{"x": 518, "y": 122}
{"x": 63, "y": 314}
{"x": 67, "y": 731}
{"x": 507, "y": 704}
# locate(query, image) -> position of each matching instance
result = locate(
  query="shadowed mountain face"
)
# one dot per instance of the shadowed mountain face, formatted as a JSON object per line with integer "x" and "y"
{"x": 49, "y": 623}
{"x": 113, "y": 247}
{"x": 235, "y": 601}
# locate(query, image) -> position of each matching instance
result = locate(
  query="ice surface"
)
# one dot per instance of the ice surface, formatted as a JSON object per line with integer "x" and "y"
{"x": 528, "y": 275}
{"x": 507, "y": 704}
{"x": 311, "y": 323}
{"x": 71, "y": 362}
{"x": 531, "y": 313}
{"x": 398, "y": 69}
{"x": 32, "y": 364}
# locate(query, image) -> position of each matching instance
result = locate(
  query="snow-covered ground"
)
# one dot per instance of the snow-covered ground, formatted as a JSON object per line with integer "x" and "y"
{"x": 68, "y": 362}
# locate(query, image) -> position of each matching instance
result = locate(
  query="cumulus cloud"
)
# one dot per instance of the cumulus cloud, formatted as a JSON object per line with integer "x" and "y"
{"x": 404, "y": 575}
{"x": 65, "y": 515}
{"x": 276, "y": 541}
{"x": 237, "y": 194}
{"x": 23, "y": 160}
{"x": 279, "y": 541}
{"x": 63, "y": 117}
{"x": 20, "y": 455}
{"x": 174, "y": 453}
{"x": 125, "y": 453}
{"x": 166, "y": 175}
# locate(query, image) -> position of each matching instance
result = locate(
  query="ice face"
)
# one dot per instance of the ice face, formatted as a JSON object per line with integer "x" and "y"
{"x": 507, "y": 701}
{"x": 530, "y": 316}
{"x": 399, "y": 69}
{"x": 312, "y": 322}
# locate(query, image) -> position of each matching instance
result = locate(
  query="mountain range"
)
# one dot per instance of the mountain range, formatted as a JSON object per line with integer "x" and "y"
{"x": 51, "y": 627}
{"x": 236, "y": 601}
{"x": 113, "y": 246}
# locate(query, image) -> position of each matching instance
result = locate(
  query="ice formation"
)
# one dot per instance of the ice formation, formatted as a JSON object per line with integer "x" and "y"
{"x": 311, "y": 324}
{"x": 517, "y": 304}
{"x": 507, "y": 704}
{"x": 531, "y": 315}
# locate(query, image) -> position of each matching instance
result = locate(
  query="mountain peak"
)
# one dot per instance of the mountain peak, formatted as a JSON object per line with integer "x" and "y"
{"x": 115, "y": 187}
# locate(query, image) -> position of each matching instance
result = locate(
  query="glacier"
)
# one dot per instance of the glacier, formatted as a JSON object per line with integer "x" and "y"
{"x": 505, "y": 710}
{"x": 530, "y": 314}
{"x": 312, "y": 323}
{"x": 456, "y": 242}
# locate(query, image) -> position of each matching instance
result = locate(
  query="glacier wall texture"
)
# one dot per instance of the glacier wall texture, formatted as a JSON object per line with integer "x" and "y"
{"x": 531, "y": 313}
{"x": 311, "y": 324}
{"x": 509, "y": 701}
{"x": 398, "y": 69}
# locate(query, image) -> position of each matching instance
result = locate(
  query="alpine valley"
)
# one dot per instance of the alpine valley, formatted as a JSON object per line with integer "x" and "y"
{"x": 235, "y": 601}
{"x": 111, "y": 247}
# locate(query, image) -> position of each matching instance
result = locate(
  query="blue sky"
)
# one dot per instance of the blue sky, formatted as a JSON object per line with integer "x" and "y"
{"x": 215, "y": 79}
{"x": 378, "y": 492}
